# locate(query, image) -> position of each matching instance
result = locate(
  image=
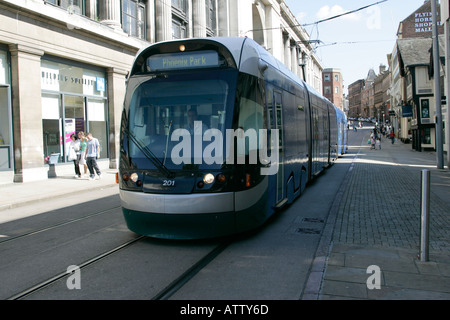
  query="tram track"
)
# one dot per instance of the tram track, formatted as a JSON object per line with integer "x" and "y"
{"x": 164, "y": 290}
{"x": 163, "y": 294}
{"x": 56, "y": 225}
{"x": 178, "y": 283}
{"x": 63, "y": 274}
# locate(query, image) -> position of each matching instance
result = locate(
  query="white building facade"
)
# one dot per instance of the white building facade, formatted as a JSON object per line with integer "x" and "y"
{"x": 63, "y": 65}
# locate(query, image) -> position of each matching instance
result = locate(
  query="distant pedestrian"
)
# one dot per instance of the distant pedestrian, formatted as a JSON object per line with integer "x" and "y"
{"x": 92, "y": 154}
{"x": 379, "y": 143}
{"x": 373, "y": 142}
{"x": 392, "y": 136}
{"x": 74, "y": 154}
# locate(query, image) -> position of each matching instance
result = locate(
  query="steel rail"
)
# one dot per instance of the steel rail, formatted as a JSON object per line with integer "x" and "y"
{"x": 178, "y": 283}
{"x": 61, "y": 275}
{"x": 57, "y": 225}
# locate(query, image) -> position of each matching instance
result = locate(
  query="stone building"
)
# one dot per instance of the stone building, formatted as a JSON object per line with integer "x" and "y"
{"x": 355, "y": 98}
{"x": 368, "y": 95}
{"x": 63, "y": 65}
{"x": 381, "y": 95}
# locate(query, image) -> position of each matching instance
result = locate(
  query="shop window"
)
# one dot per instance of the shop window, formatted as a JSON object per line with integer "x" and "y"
{"x": 134, "y": 18}
{"x": 73, "y": 100}
{"x": 96, "y": 117}
{"x": 426, "y": 136}
{"x": 51, "y": 125}
{"x": 5, "y": 129}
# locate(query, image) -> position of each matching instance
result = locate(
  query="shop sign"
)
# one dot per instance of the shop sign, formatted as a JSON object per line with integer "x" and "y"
{"x": 65, "y": 78}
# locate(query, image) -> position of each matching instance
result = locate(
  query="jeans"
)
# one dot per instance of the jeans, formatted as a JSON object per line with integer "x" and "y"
{"x": 76, "y": 164}
{"x": 92, "y": 165}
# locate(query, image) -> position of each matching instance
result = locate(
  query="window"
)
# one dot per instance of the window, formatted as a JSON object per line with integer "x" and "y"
{"x": 425, "y": 104}
{"x": 133, "y": 18}
{"x": 336, "y": 77}
{"x": 180, "y": 5}
{"x": 166, "y": 116}
{"x": 179, "y": 19}
{"x": 73, "y": 6}
{"x": 327, "y": 90}
{"x": 73, "y": 99}
{"x": 336, "y": 90}
{"x": 326, "y": 77}
{"x": 426, "y": 136}
{"x": 178, "y": 29}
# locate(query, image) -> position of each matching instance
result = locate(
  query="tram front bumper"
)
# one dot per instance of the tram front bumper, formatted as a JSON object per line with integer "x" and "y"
{"x": 193, "y": 216}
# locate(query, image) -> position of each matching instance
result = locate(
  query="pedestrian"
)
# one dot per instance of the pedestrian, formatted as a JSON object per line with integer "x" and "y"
{"x": 373, "y": 142}
{"x": 74, "y": 154}
{"x": 392, "y": 136}
{"x": 379, "y": 143}
{"x": 83, "y": 147}
{"x": 92, "y": 154}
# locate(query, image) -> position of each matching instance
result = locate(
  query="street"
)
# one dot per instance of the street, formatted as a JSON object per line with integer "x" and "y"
{"x": 273, "y": 262}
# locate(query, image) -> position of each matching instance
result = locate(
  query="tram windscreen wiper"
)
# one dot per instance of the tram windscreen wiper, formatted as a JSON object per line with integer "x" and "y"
{"x": 150, "y": 156}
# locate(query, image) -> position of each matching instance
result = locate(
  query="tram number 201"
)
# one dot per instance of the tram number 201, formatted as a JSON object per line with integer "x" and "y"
{"x": 169, "y": 183}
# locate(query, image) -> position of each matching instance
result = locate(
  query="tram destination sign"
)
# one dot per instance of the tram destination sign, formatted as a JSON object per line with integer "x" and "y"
{"x": 183, "y": 60}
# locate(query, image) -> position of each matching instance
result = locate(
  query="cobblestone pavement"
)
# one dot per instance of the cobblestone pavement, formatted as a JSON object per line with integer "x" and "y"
{"x": 378, "y": 223}
{"x": 381, "y": 205}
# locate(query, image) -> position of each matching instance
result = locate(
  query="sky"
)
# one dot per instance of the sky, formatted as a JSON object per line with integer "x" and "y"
{"x": 357, "y": 42}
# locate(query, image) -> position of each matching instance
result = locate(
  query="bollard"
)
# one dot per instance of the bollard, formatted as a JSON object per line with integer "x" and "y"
{"x": 425, "y": 215}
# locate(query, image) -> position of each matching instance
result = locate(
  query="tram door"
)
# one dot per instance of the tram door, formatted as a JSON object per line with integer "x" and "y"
{"x": 278, "y": 125}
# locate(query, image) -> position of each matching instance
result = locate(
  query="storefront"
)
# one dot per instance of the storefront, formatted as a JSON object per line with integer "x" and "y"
{"x": 74, "y": 98}
{"x": 5, "y": 112}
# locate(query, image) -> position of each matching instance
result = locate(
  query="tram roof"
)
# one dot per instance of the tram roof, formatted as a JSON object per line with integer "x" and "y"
{"x": 246, "y": 53}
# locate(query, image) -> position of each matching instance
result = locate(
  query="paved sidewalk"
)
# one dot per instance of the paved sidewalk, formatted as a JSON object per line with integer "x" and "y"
{"x": 377, "y": 223}
{"x": 14, "y": 195}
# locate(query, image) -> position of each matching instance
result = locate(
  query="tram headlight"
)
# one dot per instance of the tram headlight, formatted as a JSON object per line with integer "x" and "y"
{"x": 134, "y": 177}
{"x": 208, "y": 178}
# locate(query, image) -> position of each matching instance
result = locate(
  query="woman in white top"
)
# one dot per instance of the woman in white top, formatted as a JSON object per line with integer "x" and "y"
{"x": 74, "y": 154}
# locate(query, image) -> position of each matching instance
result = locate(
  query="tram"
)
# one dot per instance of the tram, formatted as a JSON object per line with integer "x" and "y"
{"x": 216, "y": 136}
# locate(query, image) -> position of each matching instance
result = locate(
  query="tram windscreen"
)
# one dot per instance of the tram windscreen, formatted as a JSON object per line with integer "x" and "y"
{"x": 164, "y": 117}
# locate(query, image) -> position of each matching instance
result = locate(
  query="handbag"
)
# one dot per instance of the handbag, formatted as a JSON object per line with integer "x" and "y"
{"x": 72, "y": 154}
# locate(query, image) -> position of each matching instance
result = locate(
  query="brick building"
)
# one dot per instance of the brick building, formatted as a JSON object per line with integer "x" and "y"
{"x": 419, "y": 23}
{"x": 333, "y": 86}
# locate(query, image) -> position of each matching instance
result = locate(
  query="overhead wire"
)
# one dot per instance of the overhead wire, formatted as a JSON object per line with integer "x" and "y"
{"x": 321, "y": 21}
